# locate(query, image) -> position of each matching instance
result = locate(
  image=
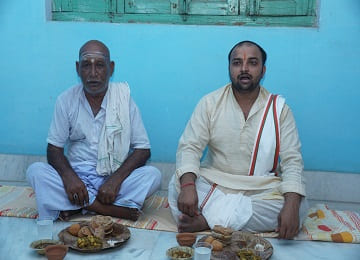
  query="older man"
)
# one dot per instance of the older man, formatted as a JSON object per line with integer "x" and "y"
{"x": 107, "y": 147}
{"x": 246, "y": 129}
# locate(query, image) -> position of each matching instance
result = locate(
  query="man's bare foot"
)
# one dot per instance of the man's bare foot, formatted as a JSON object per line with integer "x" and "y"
{"x": 192, "y": 224}
{"x": 114, "y": 211}
{"x": 65, "y": 215}
{"x": 128, "y": 213}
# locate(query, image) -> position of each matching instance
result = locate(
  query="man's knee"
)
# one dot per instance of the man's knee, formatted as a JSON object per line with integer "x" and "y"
{"x": 264, "y": 215}
{"x": 152, "y": 173}
{"x": 35, "y": 170}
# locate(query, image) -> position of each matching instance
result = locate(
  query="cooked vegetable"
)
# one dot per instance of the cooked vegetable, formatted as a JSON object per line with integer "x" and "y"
{"x": 43, "y": 245}
{"x": 180, "y": 254}
{"x": 90, "y": 242}
{"x": 245, "y": 254}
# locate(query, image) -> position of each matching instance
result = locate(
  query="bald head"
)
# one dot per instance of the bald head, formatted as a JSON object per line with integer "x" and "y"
{"x": 94, "y": 46}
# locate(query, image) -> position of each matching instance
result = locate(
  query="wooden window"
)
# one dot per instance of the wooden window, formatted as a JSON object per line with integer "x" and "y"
{"x": 217, "y": 12}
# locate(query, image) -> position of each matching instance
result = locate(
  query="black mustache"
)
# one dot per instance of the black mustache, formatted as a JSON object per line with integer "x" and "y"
{"x": 244, "y": 75}
{"x": 92, "y": 80}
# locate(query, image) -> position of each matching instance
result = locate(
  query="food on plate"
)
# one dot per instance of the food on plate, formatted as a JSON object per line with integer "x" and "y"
{"x": 99, "y": 232}
{"x": 101, "y": 225}
{"x": 241, "y": 246}
{"x": 84, "y": 232}
{"x": 98, "y": 226}
{"x": 90, "y": 242}
{"x": 74, "y": 229}
{"x": 222, "y": 234}
{"x": 217, "y": 245}
{"x": 247, "y": 254}
{"x": 100, "y": 221}
{"x": 223, "y": 230}
{"x": 259, "y": 247}
{"x": 209, "y": 239}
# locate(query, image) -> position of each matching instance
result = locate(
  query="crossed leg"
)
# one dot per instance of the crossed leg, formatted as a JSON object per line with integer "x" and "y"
{"x": 52, "y": 199}
{"x": 114, "y": 211}
{"x": 66, "y": 214}
{"x": 107, "y": 210}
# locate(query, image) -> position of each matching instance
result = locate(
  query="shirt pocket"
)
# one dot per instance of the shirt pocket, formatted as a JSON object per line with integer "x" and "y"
{"x": 77, "y": 135}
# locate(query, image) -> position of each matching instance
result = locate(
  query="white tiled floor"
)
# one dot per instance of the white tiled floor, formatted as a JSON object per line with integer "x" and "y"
{"x": 16, "y": 234}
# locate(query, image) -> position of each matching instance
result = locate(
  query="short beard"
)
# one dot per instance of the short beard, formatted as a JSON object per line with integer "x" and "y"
{"x": 241, "y": 89}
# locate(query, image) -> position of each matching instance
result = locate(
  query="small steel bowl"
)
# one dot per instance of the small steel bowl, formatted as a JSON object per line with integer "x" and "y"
{"x": 180, "y": 253}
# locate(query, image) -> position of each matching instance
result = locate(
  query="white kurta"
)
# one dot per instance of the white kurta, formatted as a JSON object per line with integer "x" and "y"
{"x": 75, "y": 128}
{"x": 218, "y": 123}
{"x": 251, "y": 201}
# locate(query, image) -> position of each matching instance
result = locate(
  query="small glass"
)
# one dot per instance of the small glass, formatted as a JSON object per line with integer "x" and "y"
{"x": 45, "y": 228}
{"x": 202, "y": 251}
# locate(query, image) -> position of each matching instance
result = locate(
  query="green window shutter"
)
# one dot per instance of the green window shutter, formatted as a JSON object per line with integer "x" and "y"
{"x": 84, "y": 6}
{"x": 217, "y": 12}
{"x": 61, "y": 6}
{"x": 120, "y": 6}
{"x": 152, "y": 7}
{"x": 280, "y": 7}
{"x": 212, "y": 7}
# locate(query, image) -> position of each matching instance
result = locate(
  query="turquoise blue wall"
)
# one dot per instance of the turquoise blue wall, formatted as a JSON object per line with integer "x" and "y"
{"x": 169, "y": 67}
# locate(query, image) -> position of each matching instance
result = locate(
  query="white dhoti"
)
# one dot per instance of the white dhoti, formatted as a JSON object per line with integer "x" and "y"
{"x": 239, "y": 210}
{"x": 51, "y": 197}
